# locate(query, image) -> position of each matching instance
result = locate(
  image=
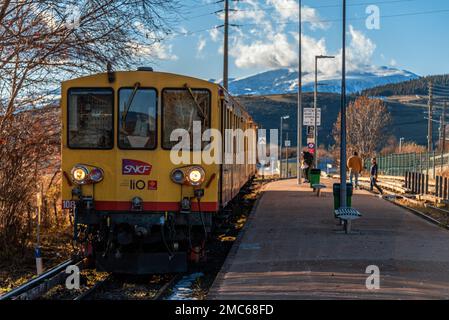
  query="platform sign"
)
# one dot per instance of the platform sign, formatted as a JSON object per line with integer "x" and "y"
{"x": 309, "y": 117}
{"x": 310, "y": 131}
{"x": 288, "y": 143}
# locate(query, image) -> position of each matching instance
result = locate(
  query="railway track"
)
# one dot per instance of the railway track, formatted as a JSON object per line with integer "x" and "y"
{"x": 416, "y": 204}
{"x": 38, "y": 286}
{"x": 167, "y": 287}
{"x": 102, "y": 286}
{"x": 127, "y": 288}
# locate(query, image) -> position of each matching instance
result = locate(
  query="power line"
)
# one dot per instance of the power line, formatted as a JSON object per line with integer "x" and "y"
{"x": 329, "y": 6}
{"x": 189, "y": 33}
{"x": 313, "y": 21}
{"x": 356, "y": 19}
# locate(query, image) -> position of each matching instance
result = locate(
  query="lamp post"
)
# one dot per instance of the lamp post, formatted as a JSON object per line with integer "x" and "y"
{"x": 400, "y": 144}
{"x": 315, "y": 104}
{"x": 299, "y": 111}
{"x": 343, "y": 115}
{"x": 280, "y": 145}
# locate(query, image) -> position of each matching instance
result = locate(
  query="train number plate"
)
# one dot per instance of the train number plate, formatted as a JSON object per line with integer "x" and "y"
{"x": 68, "y": 204}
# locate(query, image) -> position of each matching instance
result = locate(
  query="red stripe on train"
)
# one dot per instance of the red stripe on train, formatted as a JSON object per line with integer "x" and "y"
{"x": 153, "y": 206}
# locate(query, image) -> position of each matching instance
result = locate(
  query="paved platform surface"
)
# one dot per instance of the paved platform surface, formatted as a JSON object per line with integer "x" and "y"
{"x": 290, "y": 249}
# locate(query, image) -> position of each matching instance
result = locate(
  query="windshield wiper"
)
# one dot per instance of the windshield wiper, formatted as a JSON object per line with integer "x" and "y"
{"x": 198, "y": 107}
{"x": 129, "y": 103}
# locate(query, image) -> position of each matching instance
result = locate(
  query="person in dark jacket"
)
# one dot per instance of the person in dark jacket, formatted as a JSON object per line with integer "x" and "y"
{"x": 373, "y": 176}
{"x": 307, "y": 164}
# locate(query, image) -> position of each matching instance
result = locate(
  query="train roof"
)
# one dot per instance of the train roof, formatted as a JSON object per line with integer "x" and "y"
{"x": 149, "y": 72}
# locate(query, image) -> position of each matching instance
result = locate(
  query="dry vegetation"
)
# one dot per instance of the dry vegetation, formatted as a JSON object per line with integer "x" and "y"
{"x": 42, "y": 43}
{"x": 366, "y": 122}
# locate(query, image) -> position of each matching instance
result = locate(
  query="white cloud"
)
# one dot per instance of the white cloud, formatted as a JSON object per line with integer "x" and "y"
{"x": 200, "y": 46}
{"x": 280, "y": 51}
{"x": 156, "y": 50}
{"x": 360, "y": 49}
{"x": 288, "y": 10}
{"x": 214, "y": 33}
{"x": 275, "y": 53}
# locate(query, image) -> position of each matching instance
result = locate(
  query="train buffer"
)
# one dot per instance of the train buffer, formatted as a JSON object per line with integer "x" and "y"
{"x": 318, "y": 187}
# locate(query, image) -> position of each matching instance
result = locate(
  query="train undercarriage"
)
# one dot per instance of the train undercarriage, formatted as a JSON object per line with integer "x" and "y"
{"x": 142, "y": 242}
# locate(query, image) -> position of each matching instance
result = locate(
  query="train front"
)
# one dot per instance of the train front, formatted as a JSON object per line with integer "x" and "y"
{"x": 138, "y": 207}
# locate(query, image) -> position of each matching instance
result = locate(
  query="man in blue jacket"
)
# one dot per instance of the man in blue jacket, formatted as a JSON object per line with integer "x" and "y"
{"x": 373, "y": 176}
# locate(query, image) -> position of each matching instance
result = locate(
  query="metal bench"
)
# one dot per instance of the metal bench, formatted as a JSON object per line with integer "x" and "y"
{"x": 347, "y": 215}
{"x": 317, "y": 187}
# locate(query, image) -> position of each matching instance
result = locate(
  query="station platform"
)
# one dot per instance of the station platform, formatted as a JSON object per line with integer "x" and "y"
{"x": 292, "y": 248}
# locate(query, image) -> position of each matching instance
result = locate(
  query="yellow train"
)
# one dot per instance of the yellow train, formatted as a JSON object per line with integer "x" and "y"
{"x": 135, "y": 209}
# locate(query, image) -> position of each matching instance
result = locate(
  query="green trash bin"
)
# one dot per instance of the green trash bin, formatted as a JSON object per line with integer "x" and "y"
{"x": 314, "y": 176}
{"x": 336, "y": 191}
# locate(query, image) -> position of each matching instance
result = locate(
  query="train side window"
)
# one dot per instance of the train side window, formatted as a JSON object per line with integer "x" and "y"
{"x": 90, "y": 118}
{"x": 180, "y": 109}
{"x": 137, "y": 118}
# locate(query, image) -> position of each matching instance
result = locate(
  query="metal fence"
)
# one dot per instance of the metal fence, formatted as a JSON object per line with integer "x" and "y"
{"x": 419, "y": 183}
{"x": 430, "y": 163}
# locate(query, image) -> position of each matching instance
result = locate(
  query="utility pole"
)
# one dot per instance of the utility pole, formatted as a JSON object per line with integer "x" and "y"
{"x": 299, "y": 111}
{"x": 343, "y": 115}
{"x": 315, "y": 94}
{"x": 286, "y": 156}
{"x": 226, "y": 46}
{"x": 400, "y": 144}
{"x": 280, "y": 149}
{"x": 430, "y": 124}
{"x": 442, "y": 137}
{"x": 280, "y": 145}
{"x": 443, "y": 145}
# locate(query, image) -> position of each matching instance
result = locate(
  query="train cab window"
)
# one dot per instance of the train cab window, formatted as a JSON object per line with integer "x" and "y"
{"x": 180, "y": 108}
{"x": 90, "y": 118}
{"x": 137, "y": 118}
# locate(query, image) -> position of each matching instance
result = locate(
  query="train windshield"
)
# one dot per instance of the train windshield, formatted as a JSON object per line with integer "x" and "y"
{"x": 137, "y": 121}
{"x": 181, "y": 107}
{"x": 90, "y": 118}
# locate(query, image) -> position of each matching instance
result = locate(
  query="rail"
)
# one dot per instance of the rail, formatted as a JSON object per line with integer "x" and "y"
{"x": 40, "y": 284}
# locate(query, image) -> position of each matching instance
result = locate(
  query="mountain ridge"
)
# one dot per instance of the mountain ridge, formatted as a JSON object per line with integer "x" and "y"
{"x": 283, "y": 81}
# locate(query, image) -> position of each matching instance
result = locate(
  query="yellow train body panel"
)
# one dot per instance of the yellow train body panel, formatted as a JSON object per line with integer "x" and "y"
{"x": 157, "y": 190}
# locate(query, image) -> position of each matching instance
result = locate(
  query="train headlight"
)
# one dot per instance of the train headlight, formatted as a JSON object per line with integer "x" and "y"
{"x": 96, "y": 175}
{"x": 195, "y": 176}
{"x": 178, "y": 176}
{"x": 80, "y": 174}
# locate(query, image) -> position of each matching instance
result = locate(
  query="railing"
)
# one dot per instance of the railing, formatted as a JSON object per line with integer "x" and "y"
{"x": 399, "y": 164}
{"x": 419, "y": 183}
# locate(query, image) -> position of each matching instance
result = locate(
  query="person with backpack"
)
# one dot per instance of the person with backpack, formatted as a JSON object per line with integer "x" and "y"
{"x": 307, "y": 164}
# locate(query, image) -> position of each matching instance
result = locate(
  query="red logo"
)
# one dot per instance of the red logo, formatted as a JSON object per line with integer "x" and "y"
{"x": 152, "y": 185}
{"x": 135, "y": 168}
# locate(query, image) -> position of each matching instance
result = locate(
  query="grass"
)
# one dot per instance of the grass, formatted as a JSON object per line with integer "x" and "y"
{"x": 56, "y": 247}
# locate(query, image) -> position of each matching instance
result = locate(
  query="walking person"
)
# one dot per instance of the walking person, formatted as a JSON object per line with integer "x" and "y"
{"x": 373, "y": 176}
{"x": 307, "y": 163}
{"x": 355, "y": 166}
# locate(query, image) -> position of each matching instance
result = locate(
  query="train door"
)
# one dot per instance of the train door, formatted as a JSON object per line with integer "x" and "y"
{"x": 226, "y": 167}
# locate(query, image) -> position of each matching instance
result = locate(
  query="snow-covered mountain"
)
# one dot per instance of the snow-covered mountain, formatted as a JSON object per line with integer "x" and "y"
{"x": 281, "y": 81}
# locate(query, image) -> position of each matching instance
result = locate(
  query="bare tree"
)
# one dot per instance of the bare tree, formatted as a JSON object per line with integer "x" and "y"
{"x": 43, "y": 42}
{"x": 367, "y": 124}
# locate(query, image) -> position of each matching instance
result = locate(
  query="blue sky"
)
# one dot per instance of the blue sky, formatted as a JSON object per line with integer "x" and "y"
{"x": 412, "y": 36}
